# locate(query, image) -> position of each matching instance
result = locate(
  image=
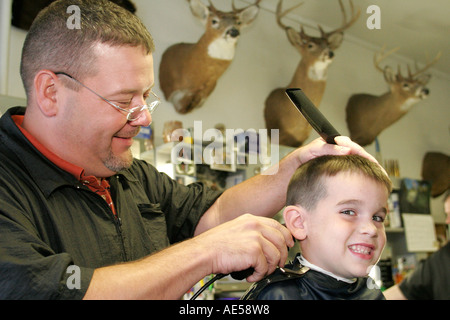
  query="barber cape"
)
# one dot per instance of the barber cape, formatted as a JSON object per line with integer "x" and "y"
{"x": 298, "y": 282}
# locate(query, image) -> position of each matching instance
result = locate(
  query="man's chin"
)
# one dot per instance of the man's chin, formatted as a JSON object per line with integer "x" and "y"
{"x": 116, "y": 163}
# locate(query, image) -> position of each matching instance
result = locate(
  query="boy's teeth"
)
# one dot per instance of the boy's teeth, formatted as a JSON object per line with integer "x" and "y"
{"x": 360, "y": 249}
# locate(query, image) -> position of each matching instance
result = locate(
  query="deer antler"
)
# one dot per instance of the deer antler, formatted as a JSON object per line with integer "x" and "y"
{"x": 235, "y": 10}
{"x": 379, "y": 56}
{"x": 280, "y": 14}
{"x": 211, "y": 7}
{"x": 427, "y": 66}
{"x": 345, "y": 24}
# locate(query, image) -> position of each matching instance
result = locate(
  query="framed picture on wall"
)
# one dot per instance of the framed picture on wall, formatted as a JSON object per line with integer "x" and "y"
{"x": 415, "y": 196}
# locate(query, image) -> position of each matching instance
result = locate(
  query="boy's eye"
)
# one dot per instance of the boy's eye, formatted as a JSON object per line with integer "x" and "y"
{"x": 378, "y": 218}
{"x": 349, "y": 212}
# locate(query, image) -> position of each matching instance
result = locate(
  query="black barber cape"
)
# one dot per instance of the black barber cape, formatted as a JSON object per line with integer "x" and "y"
{"x": 296, "y": 282}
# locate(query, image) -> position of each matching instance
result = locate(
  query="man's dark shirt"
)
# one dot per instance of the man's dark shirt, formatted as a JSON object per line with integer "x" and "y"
{"x": 431, "y": 278}
{"x": 49, "y": 220}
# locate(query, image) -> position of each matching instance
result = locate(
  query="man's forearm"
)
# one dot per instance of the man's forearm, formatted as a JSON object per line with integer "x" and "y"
{"x": 264, "y": 194}
{"x": 167, "y": 274}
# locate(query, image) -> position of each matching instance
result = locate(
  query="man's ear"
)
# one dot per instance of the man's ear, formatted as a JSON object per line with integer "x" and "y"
{"x": 46, "y": 85}
{"x": 294, "y": 217}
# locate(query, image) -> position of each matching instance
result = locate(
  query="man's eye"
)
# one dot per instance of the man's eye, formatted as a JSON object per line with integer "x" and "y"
{"x": 123, "y": 104}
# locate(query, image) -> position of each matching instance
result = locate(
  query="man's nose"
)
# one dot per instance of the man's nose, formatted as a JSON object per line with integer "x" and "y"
{"x": 144, "y": 119}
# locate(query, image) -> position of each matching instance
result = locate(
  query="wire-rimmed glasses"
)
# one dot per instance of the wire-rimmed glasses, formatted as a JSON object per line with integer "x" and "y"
{"x": 132, "y": 113}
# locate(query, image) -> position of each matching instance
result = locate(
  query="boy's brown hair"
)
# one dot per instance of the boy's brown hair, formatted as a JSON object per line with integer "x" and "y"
{"x": 307, "y": 185}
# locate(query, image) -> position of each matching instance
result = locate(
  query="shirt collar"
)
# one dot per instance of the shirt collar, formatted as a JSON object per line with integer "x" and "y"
{"x": 308, "y": 264}
{"x": 76, "y": 171}
{"x": 37, "y": 159}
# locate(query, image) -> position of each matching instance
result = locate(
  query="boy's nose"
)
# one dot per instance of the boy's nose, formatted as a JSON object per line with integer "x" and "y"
{"x": 369, "y": 228}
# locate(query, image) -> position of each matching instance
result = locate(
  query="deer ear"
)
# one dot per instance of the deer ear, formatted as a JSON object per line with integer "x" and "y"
{"x": 199, "y": 10}
{"x": 389, "y": 75}
{"x": 249, "y": 14}
{"x": 294, "y": 37}
{"x": 335, "y": 40}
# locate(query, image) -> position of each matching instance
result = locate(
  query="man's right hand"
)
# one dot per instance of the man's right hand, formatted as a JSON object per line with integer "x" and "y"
{"x": 247, "y": 242}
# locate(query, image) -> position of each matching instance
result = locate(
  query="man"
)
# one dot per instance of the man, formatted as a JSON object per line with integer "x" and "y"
{"x": 71, "y": 194}
{"x": 430, "y": 280}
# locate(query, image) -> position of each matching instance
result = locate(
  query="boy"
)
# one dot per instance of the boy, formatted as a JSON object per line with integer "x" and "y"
{"x": 336, "y": 206}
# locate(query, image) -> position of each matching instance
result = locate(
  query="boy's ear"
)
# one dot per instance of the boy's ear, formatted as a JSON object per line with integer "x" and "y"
{"x": 294, "y": 217}
{"x": 45, "y": 86}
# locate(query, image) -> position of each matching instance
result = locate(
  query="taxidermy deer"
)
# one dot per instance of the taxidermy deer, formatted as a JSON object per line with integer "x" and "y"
{"x": 367, "y": 115}
{"x": 310, "y": 76}
{"x": 436, "y": 170}
{"x": 189, "y": 72}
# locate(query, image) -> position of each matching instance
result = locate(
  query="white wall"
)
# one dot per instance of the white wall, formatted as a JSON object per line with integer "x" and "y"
{"x": 265, "y": 60}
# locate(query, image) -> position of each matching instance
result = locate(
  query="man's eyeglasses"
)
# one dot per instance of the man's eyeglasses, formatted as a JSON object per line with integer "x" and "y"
{"x": 132, "y": 113}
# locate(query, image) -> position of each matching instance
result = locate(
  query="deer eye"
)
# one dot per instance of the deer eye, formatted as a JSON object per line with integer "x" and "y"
{"x": 310, "y": 45}
{"x": 214, "y": 21}
{"x": 406, "y": 86}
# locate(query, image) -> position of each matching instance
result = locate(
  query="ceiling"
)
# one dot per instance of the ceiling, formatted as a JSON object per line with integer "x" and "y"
{"x": 420, "y": 28}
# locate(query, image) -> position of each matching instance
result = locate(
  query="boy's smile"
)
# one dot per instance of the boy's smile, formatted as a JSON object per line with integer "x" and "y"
{"x": 363, "y": 251}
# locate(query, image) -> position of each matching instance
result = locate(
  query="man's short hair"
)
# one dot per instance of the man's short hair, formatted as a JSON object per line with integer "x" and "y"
{"x": 54, "y": 44}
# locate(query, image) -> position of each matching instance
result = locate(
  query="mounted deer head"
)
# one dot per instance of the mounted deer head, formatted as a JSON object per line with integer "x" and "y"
{"x": 311, "y": 75}
{"x": 188, "y": 72}
{"x": 436, "y": 170}
{"x": 367, "y": 115}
